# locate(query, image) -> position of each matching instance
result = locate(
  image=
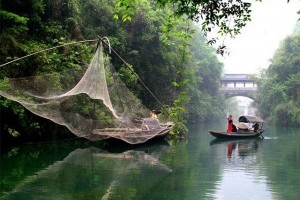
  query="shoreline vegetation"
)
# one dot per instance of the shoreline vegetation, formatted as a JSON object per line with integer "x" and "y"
{"x": 170, "y": 54}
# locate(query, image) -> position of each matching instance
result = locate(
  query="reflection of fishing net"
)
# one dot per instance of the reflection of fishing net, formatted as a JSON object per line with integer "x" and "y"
{"x": 95, "y": 174}
{"x": 98, "y": 106}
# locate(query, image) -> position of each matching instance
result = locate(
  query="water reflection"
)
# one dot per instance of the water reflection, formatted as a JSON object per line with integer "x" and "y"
{"x": 93, "y": 173}
{"x": 241, "y": 148}
{"x": 240, "y": 170}
{"x": 199, "y": 167}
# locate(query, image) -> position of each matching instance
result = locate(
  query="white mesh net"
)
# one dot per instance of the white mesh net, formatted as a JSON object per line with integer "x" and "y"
{"x": 97, "y": 107}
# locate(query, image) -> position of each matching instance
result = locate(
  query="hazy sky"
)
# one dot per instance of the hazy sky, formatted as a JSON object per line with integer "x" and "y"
{"x": 272, "y": 21}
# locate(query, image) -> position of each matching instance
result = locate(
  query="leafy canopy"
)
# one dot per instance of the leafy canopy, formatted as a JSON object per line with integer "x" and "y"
{"x": 228, "y": 16}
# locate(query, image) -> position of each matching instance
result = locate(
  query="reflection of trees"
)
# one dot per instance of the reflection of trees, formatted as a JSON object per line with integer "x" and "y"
{"x": 281, "y": 162}
{"x": 195, "y": 170}
{"x": 25, "y": 160}
{"x": 92, "y": 173}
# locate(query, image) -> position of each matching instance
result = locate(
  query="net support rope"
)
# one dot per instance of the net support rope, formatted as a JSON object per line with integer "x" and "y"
{"x": 135, "y": 74}
{"x": 48, "y": 49}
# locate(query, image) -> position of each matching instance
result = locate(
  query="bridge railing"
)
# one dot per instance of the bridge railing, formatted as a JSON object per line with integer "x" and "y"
{"x": 239, "y": 88}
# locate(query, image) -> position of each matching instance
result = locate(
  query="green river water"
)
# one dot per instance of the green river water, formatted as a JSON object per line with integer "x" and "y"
{"x": 197, "y": 168}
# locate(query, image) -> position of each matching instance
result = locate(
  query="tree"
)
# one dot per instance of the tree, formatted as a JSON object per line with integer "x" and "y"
{"x": 279, "y": 93}
{"x": 228, "y": 16}
{"x": 162, "y": 48}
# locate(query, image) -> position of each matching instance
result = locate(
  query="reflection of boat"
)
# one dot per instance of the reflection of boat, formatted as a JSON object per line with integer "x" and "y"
{"x": 237, "y": 140}
{"x": 238, "y": 147}
{"x": 249, "y": 127}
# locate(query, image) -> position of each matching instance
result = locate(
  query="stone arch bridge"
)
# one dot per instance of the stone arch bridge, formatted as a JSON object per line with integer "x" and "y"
{"x": 239, "y": 85}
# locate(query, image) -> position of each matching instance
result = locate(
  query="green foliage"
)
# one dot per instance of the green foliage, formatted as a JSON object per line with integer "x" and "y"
{"x": 205, "y": 101}
{"x": 17, "y": 120}
{"x": 12, "y": 23}
{"x": 178, "y": 64}
{"x": 279, "y": 93}
{"x": 228, "y": 17}
{"x": 12, "y": 27}
{"x": 127, "y": 76}
{"x": 177, "y": 112}
{"x": 13, "y": 132}
{"x": 126, "y": 8}
{"x": 168, "y": 53}
{"x": 287, "y": 114}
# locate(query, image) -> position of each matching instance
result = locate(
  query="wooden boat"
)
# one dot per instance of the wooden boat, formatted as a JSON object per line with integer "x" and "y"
{"x": 143, "y": 130}
{"x": 253, "y": 128}
{"x": 238, "y": 134}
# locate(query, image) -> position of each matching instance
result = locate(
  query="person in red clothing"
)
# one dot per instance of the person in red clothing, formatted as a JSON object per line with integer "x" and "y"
{"x": 229, "y": 127}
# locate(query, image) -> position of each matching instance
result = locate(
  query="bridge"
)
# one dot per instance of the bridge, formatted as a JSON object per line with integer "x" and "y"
{"x": 239, "y": 85}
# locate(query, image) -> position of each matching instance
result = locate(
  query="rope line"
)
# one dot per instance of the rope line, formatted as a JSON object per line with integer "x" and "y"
{"x": 136, "y": 75}
{"x": 66, "y": 44}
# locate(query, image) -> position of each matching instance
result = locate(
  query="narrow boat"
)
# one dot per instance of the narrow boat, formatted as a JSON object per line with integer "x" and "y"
{"x": 238, "y": 134}
{"x": 248, "y": 127}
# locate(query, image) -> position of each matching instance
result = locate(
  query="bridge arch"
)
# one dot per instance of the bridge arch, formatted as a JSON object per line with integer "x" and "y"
{"x": 239, "y": 85}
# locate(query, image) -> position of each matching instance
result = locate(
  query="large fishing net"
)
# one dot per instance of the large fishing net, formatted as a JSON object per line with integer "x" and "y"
{"x": 96, "y": 106}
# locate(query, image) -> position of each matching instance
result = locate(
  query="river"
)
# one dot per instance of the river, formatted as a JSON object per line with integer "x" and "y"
{"x": 197, "y": 168}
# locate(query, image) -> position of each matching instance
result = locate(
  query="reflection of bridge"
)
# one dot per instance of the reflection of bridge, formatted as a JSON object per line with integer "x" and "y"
{"x": 239, "y": 85}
